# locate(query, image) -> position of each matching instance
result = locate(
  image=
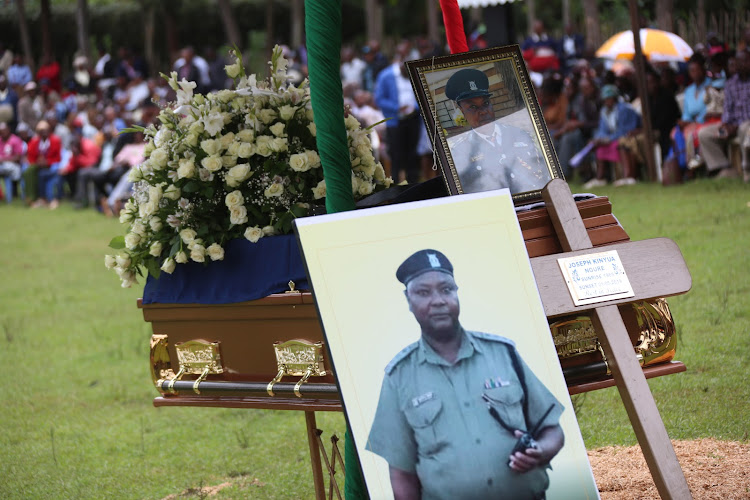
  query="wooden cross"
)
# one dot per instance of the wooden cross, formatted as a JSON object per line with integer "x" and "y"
{"x": 655, "y": 268}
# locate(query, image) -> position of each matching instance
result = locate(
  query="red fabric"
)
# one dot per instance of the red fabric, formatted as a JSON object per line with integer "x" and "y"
{"x": 53, "y": 152}
{"x": 87, "y": 157}
{"x": 454, "y": 26}
{"x": 50, "y": 72}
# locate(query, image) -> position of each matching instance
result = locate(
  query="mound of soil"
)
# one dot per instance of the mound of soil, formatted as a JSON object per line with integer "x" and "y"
{"x": 714, "y": 469}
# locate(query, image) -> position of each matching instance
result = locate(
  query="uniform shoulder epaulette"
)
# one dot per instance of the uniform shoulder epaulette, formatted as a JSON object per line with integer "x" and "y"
{"x": 400, "y": 357}
{"x": 492, "y": 337}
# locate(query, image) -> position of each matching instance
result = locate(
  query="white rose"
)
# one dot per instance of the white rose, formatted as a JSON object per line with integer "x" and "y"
{"x": 351, "y": 122}
{"x": 168, "y": 266}
{"x": 313, "y": 129}
{"x": 245, "y": 150}
{"x": 279, "y": 144}
{"x": 313, "y": 158}
{"x": 155, "y": 249}
{"x": 188, "y": 235}
{"x": 267, "y": 116}
{"x": 135, "y": 174}
{"x": 147, "y": 209}
{"x": 269, "y": 231}
{"x": 109, "y": 261}
{"x": 237, "y": 174}
{"x": 379, "y": 173}
{"x": 159, "y": 158}
{"x": 196, "y": 128}
{"x": 215, "y": 252}
{"x": 274, "y": 190}
{"x": 245, "y": 135}
{"x": 238, "y": 215}
{"x": 228, "y": 161}
{"x": 172, "y": 192}
{"x": 181, "y": 257}
{"x": 253, "y": 234}
{"x": 319, "y": 191}
{"x": 225, "y": 95}
{"x": 148, "y": 149}
{"x": 122, "y": 261}
{"x": 234, "y": 149}
{"x": 162, "y": 137}
{"x": 128, "y": 279}
{"x": 212, "y": 163}
{"x": 125, "y": 216}
{"x": 298, "y": 162}
{"x": 277, "y": 129}
{"x": 287, "y": 112}
{"x": 211, "y": 146}
{"x": 186, "y": 168}
{"x": 155, "y": 224}
{"x": 226, "y": 139}
{"x": 233, "y": 70}
{"x": 363, "y": 150}
{"x": 234, "y": 199}
{"x": 365, "y": 188}
{"x": 191, "y": 140}
{"x": 198, "y": 253}
{"x": 132, "y": 240}
{"x": 263, "y": 146}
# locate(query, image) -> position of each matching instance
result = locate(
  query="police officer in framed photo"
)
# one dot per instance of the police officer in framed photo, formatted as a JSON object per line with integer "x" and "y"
{"x": 491, "y": 155}
{"x": 460, "y": 415}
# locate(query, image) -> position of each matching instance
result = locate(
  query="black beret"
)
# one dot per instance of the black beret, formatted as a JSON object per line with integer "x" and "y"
{"x": 467, "y": 83}
{"x": 422, "y": 262}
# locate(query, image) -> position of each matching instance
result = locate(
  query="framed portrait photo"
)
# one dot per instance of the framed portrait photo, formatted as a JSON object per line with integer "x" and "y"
{"x": 485, "y": 123}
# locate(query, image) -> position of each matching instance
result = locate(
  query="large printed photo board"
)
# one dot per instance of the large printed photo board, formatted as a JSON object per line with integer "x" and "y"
{"x": 442, "y": 351}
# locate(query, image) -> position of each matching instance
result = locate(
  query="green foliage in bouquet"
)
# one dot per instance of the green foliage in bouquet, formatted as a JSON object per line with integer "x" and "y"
{"x": 239, "y": 163}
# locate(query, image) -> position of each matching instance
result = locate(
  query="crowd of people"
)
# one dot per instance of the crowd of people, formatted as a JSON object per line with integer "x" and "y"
{"x": 60, "y": 130}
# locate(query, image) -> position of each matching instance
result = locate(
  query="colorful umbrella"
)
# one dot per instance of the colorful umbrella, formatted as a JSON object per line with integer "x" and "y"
{"x": 657, "y": 46}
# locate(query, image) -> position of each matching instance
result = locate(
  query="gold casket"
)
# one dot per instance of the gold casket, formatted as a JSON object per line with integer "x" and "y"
{"x": 270, "y": 352}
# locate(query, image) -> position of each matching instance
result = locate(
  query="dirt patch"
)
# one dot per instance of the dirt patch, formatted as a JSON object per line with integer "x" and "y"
{"x": 715, "y": 470}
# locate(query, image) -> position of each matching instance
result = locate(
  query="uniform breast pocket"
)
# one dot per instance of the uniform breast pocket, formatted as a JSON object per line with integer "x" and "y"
{"x": 508, "y": 401}
{"x": 424, "y": 420}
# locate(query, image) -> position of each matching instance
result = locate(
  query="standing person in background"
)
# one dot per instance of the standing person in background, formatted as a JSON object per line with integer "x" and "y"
{"x": 6, "y": 58}
{"x": 376, "y": 62}
{"x": 352, "y": 68}
{"x": 571, "y": 48}
{"x": 395, "y": 98}
{"x": 42, "y": 186}
{"x": 735, "y": 121}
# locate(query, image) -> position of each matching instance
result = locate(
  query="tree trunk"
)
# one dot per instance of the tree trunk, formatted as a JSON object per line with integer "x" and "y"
{"x": 593, "y": 33}
{"x": 565, "y": 14}
{"x": 25, "y": 38}
{"x": 45, "y": 17}
{"x": 374, "y": 14}
{"x": 170, "y": 30}
{"x": 149, "y": 21}
{"x": 298, "y": 24}
{"x": 530, "y": 15}
{"x": 230, "y": 24}
{"x": 82, "y": 23}
{"x": 664, "y": 14}
{"x": 432, "y": 20}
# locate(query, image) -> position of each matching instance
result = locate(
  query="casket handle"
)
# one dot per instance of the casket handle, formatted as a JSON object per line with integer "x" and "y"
{"x": 277, "y": 378}
{"x": 303, "y": 380}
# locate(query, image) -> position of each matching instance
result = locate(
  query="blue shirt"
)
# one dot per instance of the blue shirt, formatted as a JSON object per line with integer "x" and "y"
{"x": 694, "y": 104}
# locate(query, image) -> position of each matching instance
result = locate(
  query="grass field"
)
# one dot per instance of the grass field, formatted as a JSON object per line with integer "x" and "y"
{"x": 77, "y": 420}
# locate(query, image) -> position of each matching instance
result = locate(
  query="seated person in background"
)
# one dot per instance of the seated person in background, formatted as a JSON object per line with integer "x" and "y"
{"x": 40, "y": 178}
{"x": 85, "y": 154}
{"x": 735, "y": 121}
{"x": 694, "y": 113}
{"x": 582, "y": 119}
{"x": 616, "y": 120}
{"x": 664, "y": 115}
{"x": 540, "y": 50}
{"x": 128, "y": 157}
{"x": 554, "y": 103}
{"x": 12, "y": 150}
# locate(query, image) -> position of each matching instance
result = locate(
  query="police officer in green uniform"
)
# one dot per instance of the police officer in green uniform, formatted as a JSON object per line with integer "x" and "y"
{"x": 454, "y": 404}
{"x": 491, "y": 155}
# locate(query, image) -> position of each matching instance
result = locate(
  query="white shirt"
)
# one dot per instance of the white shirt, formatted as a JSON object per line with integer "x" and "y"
{"x": 405, "y": 92}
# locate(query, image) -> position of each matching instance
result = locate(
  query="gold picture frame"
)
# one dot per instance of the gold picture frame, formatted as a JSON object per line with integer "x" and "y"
{"x": 496, "y": 137}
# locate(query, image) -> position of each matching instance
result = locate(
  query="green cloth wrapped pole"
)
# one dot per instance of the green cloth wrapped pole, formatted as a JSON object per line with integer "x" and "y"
{"x": 323, "y": 32}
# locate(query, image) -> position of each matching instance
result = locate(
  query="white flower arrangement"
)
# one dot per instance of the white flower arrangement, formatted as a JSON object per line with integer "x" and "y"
{"x": 239, "y": 163}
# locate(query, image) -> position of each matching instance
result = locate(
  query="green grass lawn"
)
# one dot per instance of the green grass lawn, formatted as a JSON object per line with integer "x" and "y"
{"x": 77, "y": 419}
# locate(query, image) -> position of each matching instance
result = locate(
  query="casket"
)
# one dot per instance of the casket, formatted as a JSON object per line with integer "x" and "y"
{"x": 270, "y": 352}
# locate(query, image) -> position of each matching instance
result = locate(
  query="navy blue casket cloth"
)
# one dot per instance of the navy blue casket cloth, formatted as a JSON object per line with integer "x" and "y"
{"x": 249, "y": 271}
